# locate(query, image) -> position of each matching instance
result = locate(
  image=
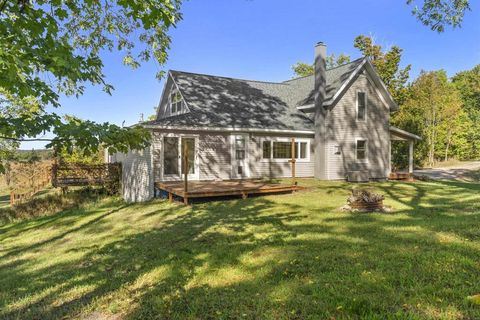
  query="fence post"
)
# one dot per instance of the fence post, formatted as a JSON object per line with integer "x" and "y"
{"x": 12, "y": 198}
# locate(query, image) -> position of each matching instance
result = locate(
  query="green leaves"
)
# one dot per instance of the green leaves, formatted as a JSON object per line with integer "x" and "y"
{"x": 437, "y": 14}
{"x": 302, "y": 69}
{"x": 71, "y": 132}
{"x": 387, "y": 64}
{"x": 49, "y": 48}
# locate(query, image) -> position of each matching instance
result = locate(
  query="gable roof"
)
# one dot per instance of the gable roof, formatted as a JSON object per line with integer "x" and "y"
{"x": 335, "y": 78}
{"x": 222, "y": 102}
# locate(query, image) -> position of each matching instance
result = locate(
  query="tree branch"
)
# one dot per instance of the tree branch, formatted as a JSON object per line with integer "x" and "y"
{"x": 25, "y": 140}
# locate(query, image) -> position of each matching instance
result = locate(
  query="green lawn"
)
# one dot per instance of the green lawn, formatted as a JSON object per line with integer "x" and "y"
{"x": 274, "y": 257}
{"x": 4, "y": 197}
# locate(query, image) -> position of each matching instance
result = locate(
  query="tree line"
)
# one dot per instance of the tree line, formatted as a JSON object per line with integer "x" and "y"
{"x": 444, "y": 111}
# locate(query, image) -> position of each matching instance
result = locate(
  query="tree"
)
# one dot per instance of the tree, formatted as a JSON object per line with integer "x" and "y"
{"x": 334, "y": 61}
{"x": 468, "y": 86}
{"x": 387, "y": 64}
{"x": 437, "y": 14}
{"x": 302, "y": 69}
{"x": 433, "y": 111}
{"x": 48, "y": 48}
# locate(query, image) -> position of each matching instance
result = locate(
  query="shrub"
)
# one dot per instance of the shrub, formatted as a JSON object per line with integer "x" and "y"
{"x": 50, "y": 204}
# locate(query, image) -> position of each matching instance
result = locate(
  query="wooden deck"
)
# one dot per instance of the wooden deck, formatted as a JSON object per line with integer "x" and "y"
{"x": 207, "y": 189}
{"x": 404, "y": 176}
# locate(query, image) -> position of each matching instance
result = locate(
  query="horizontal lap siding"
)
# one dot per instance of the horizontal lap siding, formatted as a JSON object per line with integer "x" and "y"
{"x": 137, "y": 179}
{"x": 215, "y": 160}
{"x": 343, "y": 129}
{"x": 214, "y": 154}
{"x": 274, "y": 168}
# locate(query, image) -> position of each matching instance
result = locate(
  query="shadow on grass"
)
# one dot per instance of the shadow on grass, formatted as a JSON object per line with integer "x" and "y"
{"x": 262, "y": 258}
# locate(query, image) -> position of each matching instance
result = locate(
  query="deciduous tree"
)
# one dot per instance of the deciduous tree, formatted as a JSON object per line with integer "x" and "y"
{"x": 50, "y": 48}
{"x": 437, "y": 14}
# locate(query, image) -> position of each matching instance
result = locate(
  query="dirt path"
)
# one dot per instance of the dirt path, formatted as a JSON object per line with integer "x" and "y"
{"x": 464, "y": 171}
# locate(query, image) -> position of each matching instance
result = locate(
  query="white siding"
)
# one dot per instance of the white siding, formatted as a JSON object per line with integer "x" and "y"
{"x": 215, "y": 157}
{"x": 343, "y": 129}
{"x": 137, "y": 175}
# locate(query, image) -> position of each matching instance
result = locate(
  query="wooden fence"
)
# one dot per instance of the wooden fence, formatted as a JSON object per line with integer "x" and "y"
{"x": 26, "y": 179}
{"x": 107, "y": 175}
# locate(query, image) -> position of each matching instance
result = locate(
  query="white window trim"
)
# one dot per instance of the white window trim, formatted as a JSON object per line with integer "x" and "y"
{"x": 172, "y": 93}
{"x": 366, "y": 106}
{"x": 246, "y": 161}
{"x": 366, "y": 150}
{"x": 278, "y": 139}
{"x": 179, "y": 176}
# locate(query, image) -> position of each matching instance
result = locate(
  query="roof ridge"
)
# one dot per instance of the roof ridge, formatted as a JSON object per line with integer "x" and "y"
{"x": 302, "y": 77}
{"x": 223, "y": 77}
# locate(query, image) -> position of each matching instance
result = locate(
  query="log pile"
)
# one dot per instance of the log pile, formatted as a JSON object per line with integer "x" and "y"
{"x": 364, "y": 200}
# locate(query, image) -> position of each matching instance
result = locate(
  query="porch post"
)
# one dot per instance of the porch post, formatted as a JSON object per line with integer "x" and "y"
{"x": 293, "y": 160}
{"x": 410, "y": 157}
{"x": 185, "y": 168}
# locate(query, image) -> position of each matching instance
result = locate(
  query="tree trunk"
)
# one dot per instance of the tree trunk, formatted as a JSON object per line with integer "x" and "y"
{"x": 449, "y": 141}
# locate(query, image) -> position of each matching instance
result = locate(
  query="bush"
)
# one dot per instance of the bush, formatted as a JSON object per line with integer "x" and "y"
{"x": 50, "y": 204}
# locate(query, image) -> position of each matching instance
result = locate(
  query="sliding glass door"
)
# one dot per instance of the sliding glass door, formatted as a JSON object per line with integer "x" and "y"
{"x": 173, "y": 154}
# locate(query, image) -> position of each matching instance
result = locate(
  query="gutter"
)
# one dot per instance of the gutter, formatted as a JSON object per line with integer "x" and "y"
{"x": 229, "y": 129}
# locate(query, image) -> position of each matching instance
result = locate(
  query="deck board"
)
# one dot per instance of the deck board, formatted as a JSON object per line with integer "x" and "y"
{"x": 206, "y": 189}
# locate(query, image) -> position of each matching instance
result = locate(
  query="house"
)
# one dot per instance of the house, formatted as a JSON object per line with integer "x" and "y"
{"x": 241, "y": 129}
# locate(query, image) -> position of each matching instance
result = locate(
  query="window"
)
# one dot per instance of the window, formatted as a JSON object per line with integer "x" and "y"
{"x": 361, "y": 106}
{"x": 283, "y": 150}
{"x": 361, "y": 149}
{"x": 303, "y": 150}
{"x": 170, "y": 155}
{"x": 240, "y": 148}
{"x": 267, "y": 149}
{"x": 176, "y": 104}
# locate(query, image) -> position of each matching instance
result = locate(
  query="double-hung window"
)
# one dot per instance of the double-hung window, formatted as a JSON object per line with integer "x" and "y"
{"x": 361, "y": 149}
{"x": 176, "y": 105}
{"x": 361, "y": 106}
{"x": 272, "y": 149}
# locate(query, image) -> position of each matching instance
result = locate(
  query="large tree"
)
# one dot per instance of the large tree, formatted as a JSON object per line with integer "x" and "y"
{"x": 437, "y": 14}
{"x": 50, "y": 48}
{"x": 387, "y": 64}
{"x": 468, "y": 86}
{"x": 433, "y": 111}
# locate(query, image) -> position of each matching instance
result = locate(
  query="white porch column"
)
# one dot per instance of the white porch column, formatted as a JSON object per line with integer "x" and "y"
{"x": 410, "y": 157}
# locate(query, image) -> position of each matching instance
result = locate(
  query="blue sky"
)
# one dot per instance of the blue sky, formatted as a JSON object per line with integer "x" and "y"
{"x": 262, "y": 39}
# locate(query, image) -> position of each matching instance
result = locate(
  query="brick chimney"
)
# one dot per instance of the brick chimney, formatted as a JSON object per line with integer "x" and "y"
{"x": 320, "y": 112}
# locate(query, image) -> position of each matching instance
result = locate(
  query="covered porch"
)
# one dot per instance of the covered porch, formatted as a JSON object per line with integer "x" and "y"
{"x": 397, "y": 134}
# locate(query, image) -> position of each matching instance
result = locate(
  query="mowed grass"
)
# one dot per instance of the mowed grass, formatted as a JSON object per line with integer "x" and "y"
{"x": 275, "y": 257}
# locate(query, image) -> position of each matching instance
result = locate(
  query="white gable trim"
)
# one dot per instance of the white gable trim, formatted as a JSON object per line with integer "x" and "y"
{"x": 346, "y": 84}
{"x": 181, "y": 93}
{"x": 374, "y": 78}
{"x": 174, "y": 84}
{"x": 380, "y": 87}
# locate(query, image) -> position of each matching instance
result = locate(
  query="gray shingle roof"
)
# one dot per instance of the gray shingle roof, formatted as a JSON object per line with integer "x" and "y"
{"x": 216, "y": 101}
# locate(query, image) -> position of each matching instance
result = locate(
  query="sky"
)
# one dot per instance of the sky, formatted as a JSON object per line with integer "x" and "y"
{"x": 262, "y": 39}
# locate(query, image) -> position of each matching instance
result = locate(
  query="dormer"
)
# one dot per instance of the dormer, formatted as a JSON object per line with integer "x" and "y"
{"x": 172, "y": 102}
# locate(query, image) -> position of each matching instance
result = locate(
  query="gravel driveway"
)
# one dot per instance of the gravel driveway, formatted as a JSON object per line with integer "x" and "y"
{"x": 464, "y": 171}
